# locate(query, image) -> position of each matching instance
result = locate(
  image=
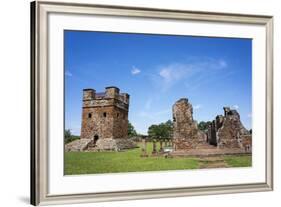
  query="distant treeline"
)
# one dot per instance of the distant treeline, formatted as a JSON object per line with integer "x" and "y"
{"x": 68, "y": 137}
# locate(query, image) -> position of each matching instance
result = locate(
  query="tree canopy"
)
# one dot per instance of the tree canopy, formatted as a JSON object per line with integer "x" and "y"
{"x": 204, "y": 125}
{"x": 131, "y": 130}
{"x": 69, "y": 137}
{"x": 161, "y": 131}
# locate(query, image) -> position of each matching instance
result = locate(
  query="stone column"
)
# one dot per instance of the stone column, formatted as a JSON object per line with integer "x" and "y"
{"x": 154, "y": 147}
{"x": 161, "y": 146}
{"x": 143, "y": 149}
{"x": 174, "y": 146}
{"x": 169, "y": 143}
{"x": 165, "y": 143}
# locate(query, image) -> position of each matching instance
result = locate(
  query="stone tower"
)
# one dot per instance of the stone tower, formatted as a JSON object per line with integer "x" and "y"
{"x": 104, "y": 116}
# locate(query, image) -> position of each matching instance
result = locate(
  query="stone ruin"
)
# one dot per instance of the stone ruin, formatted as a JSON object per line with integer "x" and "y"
{"x": 225, "y": 132}
{"x": 186, "y": 134}
{"x": 104, "y": 122}
{"x": 105, "y": 125}
{"x": 228, "y": 132}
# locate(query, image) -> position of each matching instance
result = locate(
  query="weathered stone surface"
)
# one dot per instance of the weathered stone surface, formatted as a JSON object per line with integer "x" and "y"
{"x": 228, "y": 135}
{"x": 100, "y": 145}
{"x": 77, "y": 145}
{"x": 225, "y": 132}
{"x": 105, "y": 117}
{"x": 143, "y": 148}
{"x": 228, "y": 132}
{"x": 112, "y": 144}
{"x": 186, "y": 134}
{"x": 246, "y": 143}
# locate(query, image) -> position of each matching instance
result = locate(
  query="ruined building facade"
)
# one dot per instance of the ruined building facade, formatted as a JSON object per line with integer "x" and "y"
{"x": 225, "y": 133}
{"x": 228, "y": 132}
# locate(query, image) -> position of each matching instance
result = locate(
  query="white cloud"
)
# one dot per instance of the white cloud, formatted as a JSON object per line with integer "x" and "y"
{"x": 135, "y": 71}
{"x": 201, "y": 68}
{"x": 249, "y": 115}
{"x": 67, "y": 73}
{"x": 169, "y": 75}
{"x": 198, "y": 106}
{"x": 236, "y": 106}
{"x": 174, "y": 72}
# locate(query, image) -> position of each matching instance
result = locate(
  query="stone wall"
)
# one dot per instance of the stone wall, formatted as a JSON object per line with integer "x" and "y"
{"x": 246, "y": 142}
{"x": 224, "y": 132}
{"x": 94, "y": 123}
{"x": 120, "y": 124}
{"x": 228, "y": 131}
{"x": 186, "y": 134}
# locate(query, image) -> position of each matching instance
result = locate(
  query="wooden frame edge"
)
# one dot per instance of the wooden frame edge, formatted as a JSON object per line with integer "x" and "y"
{"x": 38, "y": 179}
{"x": 33, "y": 155}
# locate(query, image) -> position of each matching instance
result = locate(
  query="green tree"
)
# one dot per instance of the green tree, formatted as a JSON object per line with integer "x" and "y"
{"x": 161, "y": 131}
{"x": 69, "y": 137}
{"x": 131, "y": 130}
{"x": 169, "y": 123}
{"x": 153, "y": 131}
{"x": 204, "y": 125}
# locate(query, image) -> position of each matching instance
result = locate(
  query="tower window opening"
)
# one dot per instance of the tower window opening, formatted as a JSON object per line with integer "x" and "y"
{"x": 104, "y": 114}
{"x": 89, "y": 115}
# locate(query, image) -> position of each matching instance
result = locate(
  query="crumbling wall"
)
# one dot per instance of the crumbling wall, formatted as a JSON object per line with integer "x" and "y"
{"x": 246, "y": 142}
{"x": 186, "y": 134}
{"x": 228, "y": 132}
{"x": 228, "y": 136}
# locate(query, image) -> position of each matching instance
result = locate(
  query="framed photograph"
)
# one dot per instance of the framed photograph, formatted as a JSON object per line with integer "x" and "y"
{"x": 136, "y": 103}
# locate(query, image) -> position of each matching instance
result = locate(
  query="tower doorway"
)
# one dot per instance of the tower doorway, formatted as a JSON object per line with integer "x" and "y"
{"x": 96, "y": 137}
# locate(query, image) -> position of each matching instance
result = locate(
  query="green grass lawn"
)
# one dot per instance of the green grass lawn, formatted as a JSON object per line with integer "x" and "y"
{"x": 238, "y": 161}
{"x": 130, "y": 161}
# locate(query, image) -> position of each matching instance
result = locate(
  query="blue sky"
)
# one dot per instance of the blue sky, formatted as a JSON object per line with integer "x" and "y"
{"x": 157, "y": 70}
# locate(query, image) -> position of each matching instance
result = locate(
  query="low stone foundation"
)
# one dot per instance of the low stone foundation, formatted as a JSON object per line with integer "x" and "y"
{"x": 112, "y": 145}
{"x": 106, "y": 144}
{"x": 209, "y": 152}
{"x": 77, "y": 145}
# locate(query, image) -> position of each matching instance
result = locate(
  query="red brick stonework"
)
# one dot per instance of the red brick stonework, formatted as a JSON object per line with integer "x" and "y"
{"x": 105, "y": 119}
{"x": 104, "y": 115}
{"x": 226, "y": 134}
{"x": 186, "y": 134}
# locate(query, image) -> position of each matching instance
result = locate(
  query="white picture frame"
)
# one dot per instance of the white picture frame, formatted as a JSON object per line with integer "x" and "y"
{"x": 44, "y": 149}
